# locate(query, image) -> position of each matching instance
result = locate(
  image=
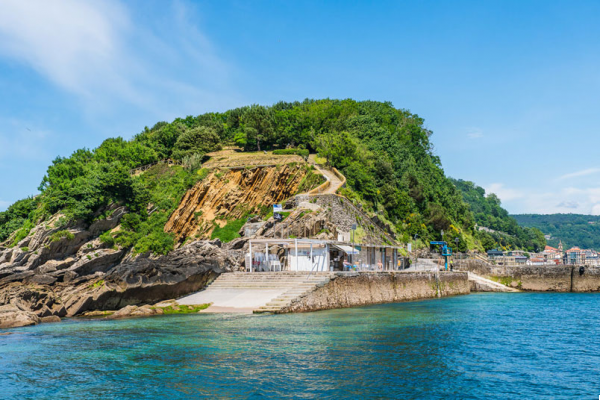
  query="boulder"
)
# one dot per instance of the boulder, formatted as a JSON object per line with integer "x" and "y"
{"x": 134, "y": 311}
{"x": 51, "y": 318}
{"x": 13, "y": 317}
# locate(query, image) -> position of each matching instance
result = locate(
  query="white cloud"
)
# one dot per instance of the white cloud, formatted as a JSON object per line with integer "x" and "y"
{"x": 106, "y": 55}
{"x": 474, "y": 133}
{"x": 585, "y": 172}
{"x": 75, "y": 44}
{"x": 504, "y": 193}
{"x": 596, "y": 209}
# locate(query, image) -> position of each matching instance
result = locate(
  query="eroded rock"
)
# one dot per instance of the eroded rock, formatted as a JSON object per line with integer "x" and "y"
{"x": 13, "y": 317}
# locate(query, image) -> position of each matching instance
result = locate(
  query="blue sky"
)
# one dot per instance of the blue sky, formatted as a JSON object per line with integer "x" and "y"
{"x": 509, "y": 88}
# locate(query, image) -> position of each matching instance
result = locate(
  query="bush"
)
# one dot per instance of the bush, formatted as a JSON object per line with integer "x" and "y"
{"x": 192, "y": 162}
{"x": 107, "y": 239}
{"x": 229, "y": 231}
{"x": 64, "y": 234}
{"x": 300, "y": 152}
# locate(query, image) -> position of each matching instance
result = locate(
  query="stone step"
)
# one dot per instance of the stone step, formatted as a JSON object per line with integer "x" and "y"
{"x": 259, "y": 285}
{"x": 278, "y": 303}
{"x": 266, "y": 310}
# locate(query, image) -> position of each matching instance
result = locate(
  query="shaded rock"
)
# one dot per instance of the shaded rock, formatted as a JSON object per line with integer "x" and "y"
{"x": 43, "y": 279}
{"x": 99, "y": 261}
{"x": 12, "y": 317}
{"x": 51, "y": 318}
{"x": 70, "y": 276}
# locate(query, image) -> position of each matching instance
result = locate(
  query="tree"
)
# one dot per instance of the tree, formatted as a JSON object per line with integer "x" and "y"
{"x": 258, "y": 125}
{"x": 199, "y": 140}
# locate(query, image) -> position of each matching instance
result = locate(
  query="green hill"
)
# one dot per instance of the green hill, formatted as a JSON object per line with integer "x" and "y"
{"x": 502, "y": 228}
{"x": 385, "y": 153}
{"x": 573, "y": 229}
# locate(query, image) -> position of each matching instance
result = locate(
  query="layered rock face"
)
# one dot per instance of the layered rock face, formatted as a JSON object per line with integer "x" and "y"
{"x": 231, "y": 193}
{"x": 64, "y": 271}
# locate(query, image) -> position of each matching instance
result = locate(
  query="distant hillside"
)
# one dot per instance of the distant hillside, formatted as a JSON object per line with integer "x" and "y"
{"x": 573, "y": 229}
{"x": 502, "y": 228}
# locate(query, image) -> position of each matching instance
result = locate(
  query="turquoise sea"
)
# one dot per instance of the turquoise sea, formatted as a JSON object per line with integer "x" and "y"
{"x": 481, "y": 346}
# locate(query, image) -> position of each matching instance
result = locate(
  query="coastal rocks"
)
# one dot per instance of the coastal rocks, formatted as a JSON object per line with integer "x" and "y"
{"x": 107, "y": 280}
{"x": 134, "y": 311}
{"x": 13, "y": 317}
{"x": 50, "y": 319}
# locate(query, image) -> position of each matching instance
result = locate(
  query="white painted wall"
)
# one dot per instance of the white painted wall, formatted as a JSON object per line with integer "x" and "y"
{"x": 302, "y": 261}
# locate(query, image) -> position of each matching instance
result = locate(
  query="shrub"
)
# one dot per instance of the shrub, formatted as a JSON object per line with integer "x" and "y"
{"x": 300, "y": 152}
{"x": 64, "y": 234}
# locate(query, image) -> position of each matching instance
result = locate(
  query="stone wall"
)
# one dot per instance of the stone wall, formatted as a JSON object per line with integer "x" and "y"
{"x": 364, "y": 288}
{"x": 560, "y": 278}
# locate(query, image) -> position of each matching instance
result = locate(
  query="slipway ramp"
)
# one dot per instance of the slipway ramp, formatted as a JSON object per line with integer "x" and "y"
{"x": 481, "y": 284}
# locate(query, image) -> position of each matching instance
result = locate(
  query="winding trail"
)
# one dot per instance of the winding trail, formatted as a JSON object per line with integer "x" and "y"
{"x": 335, "y": 182}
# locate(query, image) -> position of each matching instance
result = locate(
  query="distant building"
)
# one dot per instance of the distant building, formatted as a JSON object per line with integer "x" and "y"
{"x": 592, "y": 258}
{"x": 537, "y": 261}
{"x": 495, "y": 253}
{"x": 574, "y": 256}
{"x": 551, "y": 254}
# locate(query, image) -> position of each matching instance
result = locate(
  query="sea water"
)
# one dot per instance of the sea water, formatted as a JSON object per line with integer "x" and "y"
{"x": 509, "y": 346}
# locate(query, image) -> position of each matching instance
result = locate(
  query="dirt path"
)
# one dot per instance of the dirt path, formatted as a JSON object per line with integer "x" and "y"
{"x": 336, "y": 182}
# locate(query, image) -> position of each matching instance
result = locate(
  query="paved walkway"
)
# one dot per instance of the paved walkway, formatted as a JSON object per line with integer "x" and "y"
{"x": 336, "y": 182}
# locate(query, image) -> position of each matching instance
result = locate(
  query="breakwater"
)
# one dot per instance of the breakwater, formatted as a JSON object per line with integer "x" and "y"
{"x": 560, "y": 278}
{"x": 365, "y": 288}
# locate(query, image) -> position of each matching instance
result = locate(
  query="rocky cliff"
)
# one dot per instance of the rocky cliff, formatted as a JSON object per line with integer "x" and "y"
{"x": 230, "y": 194}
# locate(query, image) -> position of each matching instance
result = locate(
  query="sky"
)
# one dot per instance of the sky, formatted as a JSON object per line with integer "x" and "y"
{"x": 510, "y": 89}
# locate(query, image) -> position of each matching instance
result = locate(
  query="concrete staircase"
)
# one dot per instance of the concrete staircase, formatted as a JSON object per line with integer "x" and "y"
{"x": 307, "y": 284}
{"x": 260, "y": 292}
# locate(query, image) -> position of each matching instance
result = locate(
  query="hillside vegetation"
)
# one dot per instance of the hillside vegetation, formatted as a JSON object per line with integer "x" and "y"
{"x": 385, "y": 153}
{"x": 503, "y": 229}
{"x": 572, "y": 229}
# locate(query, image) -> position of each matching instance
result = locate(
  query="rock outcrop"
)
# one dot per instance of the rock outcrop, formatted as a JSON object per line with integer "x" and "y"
{"x": 13, "y": 317}
{"x": 64, "y": 271}
{"x": 232, "y": 193}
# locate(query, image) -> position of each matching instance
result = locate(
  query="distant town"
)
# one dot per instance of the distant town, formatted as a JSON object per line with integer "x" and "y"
{"x": 550, "y": 256}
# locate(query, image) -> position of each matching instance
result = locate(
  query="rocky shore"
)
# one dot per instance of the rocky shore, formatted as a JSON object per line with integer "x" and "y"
{"x": 65, "y": 271}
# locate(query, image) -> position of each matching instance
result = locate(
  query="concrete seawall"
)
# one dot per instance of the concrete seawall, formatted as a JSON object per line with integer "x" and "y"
{"x": 364, "y": 288}
{"x": 561, "y": 278}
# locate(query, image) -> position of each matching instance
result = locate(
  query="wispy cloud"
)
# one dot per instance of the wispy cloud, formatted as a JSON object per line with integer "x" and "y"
{"x": 100, "y": 52}
{"x": 578, "y": 174}
{"x": 474, "y": 133}
{"x": 74, "y": 44}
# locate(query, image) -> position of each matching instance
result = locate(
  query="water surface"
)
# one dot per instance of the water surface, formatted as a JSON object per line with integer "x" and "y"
{"x": 529, "y": 345}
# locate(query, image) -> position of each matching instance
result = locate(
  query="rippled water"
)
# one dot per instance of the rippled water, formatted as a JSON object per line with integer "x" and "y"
{"x": 530, "y": 345}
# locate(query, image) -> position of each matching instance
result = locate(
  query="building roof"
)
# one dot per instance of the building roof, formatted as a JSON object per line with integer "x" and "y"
{"x": 550, "y": 248}
{"x": 573, "y": 250}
